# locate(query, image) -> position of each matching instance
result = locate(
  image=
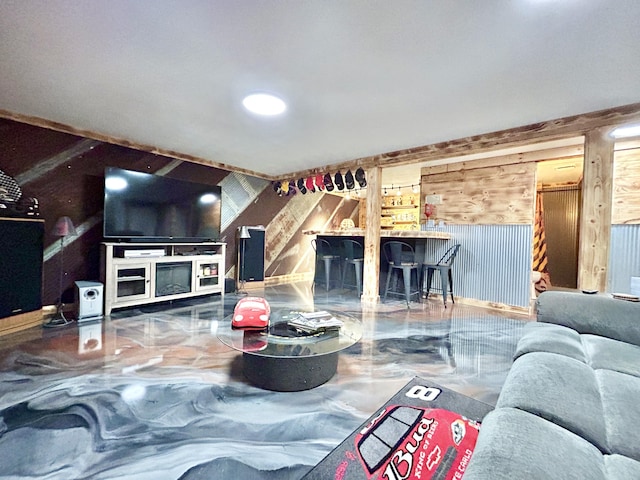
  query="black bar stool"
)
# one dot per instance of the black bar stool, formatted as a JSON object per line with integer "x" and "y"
{"x": 444, "y": 266}
{"x": 325, "y": 256}
{"x": 401, "y": 259}
{"x": 353, "y": 254}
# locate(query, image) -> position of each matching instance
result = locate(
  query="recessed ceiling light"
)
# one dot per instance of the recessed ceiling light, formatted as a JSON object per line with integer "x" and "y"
{"x": 624, "y": 132}
{"x": 264, "y": 104}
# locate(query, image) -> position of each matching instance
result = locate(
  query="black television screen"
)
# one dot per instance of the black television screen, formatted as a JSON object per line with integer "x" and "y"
{"x": 144, "y": 207}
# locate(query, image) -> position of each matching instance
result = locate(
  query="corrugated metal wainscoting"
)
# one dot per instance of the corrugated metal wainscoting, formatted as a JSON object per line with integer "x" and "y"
{"x": 624, "y": 257}
{"x": 493, "y": 264}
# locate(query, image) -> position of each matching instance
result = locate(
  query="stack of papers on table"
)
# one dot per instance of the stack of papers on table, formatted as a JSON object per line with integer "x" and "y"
{"x": 626, "y": 296}
{"x": 312, "y": 322}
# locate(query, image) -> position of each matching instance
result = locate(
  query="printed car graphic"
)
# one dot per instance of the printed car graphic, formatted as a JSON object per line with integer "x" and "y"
{"x": 406, "y": 443}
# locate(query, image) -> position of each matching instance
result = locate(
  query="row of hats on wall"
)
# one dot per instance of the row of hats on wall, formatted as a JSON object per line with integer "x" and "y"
{"x": 321, "y": 182}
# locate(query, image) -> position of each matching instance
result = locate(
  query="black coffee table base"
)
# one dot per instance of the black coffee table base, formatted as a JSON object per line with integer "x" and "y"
{"x": 289, "y": 374}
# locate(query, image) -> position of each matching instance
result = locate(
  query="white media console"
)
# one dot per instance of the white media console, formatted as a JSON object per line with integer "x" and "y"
{"x": 141, "y": 273}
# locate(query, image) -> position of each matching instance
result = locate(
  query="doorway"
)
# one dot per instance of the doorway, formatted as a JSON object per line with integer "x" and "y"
{"x": 559, "y": 185}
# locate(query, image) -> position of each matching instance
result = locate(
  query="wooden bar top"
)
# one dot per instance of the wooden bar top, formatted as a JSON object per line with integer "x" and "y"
{"x": 359, "y": 232}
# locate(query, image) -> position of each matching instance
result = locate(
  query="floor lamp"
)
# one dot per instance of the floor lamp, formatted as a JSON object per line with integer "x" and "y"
{"x": 244, "y": 234}
{"x": 63, "y": 228}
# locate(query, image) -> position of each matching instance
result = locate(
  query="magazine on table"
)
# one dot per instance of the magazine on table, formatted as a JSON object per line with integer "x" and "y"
{"x": 312, "y": 322}
{"x": 626, "y": 296}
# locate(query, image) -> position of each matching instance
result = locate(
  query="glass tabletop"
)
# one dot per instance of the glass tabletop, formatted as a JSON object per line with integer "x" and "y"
{"x": 282, "y": 340}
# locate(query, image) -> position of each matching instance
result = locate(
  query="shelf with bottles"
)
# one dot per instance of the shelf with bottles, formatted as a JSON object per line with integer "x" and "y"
{"x": 400, "y": 201}
{"x": 400, "y": 212}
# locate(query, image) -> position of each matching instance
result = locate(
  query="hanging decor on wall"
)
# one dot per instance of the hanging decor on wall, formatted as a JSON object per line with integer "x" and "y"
{"x": 321, "y": 182}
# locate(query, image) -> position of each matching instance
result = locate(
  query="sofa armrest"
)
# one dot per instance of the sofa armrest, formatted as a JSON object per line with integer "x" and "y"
{"x": 595, "y": 314}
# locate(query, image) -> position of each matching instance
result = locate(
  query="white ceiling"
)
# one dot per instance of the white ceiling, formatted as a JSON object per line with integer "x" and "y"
{"x": 361, "y": 77}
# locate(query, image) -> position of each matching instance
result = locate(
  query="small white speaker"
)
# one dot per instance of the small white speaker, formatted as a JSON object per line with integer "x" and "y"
{"x": 89, "y": 299}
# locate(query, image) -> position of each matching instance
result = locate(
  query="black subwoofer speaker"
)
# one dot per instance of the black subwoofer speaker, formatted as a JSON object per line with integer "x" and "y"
{"x": 252, "y": 254}
{"x": 21, "y": 246}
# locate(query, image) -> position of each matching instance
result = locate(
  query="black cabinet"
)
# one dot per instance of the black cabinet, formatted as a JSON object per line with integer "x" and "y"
{"x": 21, "y": 248}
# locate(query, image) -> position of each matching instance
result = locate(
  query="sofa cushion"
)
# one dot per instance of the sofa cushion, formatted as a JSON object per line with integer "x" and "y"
{"x": 516, "y": 445}
{"x": 617, "y": 466}
{"x": 621, "y": 407}
{"x": 606, "y": 353}
{"x": 546, "y": 337}
{"x": 599, "y": 352}
{"x": 596, "y": 314}
{"x": 560, "y": 389}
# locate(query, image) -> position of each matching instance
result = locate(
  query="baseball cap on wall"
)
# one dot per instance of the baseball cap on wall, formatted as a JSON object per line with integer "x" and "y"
{"x": 360, "y": 177}
{"x": 328, "y": 183}
{"x": 339, "y": 181}
{"x": 309, "y": 184}
{"x": 348, "y": 179}
{"x": 301, "y": 186}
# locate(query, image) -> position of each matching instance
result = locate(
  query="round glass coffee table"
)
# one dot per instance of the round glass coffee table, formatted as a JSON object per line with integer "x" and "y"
{"x": 286, "y": 360}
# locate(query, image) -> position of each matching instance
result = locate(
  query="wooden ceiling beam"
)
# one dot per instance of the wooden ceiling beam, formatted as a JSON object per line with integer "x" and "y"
{"x": 60, "y": 127}
{"x": 562, "y": 128}
{"x": 559, "y": 129}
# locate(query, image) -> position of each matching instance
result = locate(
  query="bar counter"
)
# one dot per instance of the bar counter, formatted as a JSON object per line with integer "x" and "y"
{"x": 359, "y": 232}
{"x": 378, "y": 268}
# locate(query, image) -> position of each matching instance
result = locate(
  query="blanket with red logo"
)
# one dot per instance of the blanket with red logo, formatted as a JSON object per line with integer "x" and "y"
{"x": 425, "y": 431}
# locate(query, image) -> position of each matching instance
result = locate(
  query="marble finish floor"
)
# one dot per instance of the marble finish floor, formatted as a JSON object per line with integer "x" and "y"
{"x": 151, "y": 393}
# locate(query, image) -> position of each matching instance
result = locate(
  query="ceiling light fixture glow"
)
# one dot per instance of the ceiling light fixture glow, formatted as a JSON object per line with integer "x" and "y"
{"x": 264, "y": 104}
{"x": 624, "y": 132}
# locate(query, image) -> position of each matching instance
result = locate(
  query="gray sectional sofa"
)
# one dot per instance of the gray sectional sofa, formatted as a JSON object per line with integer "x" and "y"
{"x": 570, "y": 406}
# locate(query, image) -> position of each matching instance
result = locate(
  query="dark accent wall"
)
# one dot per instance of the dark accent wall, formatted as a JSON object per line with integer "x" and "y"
{"x": 65, "y": 173}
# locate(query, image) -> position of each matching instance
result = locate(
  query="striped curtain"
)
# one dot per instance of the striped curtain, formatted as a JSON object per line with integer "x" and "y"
{"x": 539, "y": 242}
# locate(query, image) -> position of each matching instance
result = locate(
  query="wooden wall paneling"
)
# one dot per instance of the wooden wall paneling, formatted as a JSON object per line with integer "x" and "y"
{"x": 371, "y": 266}
{"x": 283, "y": 227}
{"x": 573, "y": 151}
{"x": 489, "y": 196}
{"x": 291, "y": 252}
{"x": 625, "y": 203}
{"x": 23, "y": 321}
{"x": 595, "y": 220}
{"x": 362, "y": 213}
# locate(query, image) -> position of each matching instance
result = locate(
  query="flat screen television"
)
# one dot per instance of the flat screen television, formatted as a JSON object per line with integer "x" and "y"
{"x": 141, "y": 207}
